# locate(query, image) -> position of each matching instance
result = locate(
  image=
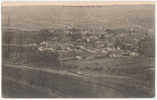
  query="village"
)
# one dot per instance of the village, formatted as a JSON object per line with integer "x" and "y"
{"x": 78, "y": 44}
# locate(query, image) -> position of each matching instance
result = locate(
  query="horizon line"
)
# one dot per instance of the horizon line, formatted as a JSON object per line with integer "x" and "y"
{"x": 77, "y": 3}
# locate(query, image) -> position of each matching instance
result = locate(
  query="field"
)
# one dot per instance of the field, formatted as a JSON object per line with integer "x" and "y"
{"x": 126, "y": 77}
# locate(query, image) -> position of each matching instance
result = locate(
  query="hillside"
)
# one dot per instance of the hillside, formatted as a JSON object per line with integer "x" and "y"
{"x": 117, "y": 16}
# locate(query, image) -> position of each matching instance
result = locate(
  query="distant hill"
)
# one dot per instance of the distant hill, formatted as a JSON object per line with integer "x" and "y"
{"x": 115, "y": 16}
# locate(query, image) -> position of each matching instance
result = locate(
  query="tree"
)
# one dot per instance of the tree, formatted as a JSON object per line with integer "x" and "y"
{"x": 147, "y": 46}
{"x": 43, "y": 35}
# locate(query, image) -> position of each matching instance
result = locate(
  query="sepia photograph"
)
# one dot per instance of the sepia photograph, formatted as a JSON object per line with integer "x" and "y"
{"x": 78, "y": 49}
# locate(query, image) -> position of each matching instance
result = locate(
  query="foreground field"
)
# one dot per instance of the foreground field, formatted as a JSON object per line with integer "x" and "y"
{"x": 107, "y": 77}
{"x": 136, "y": 67}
